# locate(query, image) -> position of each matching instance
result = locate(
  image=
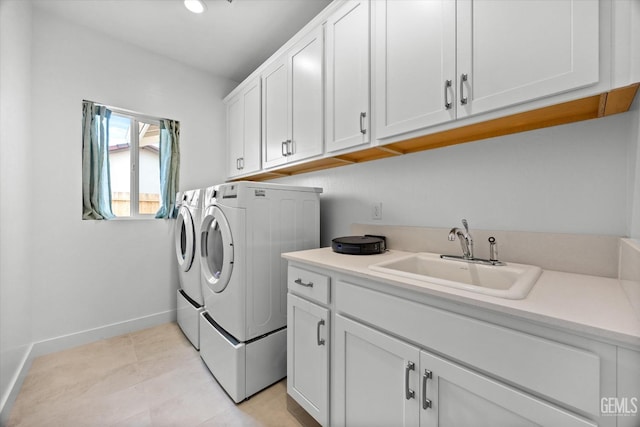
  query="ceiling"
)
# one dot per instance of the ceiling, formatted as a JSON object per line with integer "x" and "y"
{"x": 229, "y": 40}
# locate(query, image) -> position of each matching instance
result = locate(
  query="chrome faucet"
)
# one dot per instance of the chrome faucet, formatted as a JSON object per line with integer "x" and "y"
{"x": 466, "y": 241}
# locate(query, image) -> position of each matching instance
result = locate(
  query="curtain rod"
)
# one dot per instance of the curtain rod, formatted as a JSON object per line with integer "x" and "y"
{"x": 123, "y": 111}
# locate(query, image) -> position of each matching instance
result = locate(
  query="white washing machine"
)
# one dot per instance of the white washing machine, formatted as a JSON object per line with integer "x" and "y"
{"x": 190, "y": 302}
{"x": 246, "y": 226}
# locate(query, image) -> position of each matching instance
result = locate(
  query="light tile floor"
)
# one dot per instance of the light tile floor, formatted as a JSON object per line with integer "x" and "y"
{"x": 152, "y": 377}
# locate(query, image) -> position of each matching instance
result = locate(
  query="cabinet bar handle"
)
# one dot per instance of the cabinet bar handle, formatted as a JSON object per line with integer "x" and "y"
{"x": 463, "y": 79}
{"x": 289, "y": 147}
{"x": 301, "y": 283}
{"x": 409, "y": 394}
{"x": 447, "y": 85}
{"x": 320, "y": 340}
{"x": 284, "y": 149}
{"x": 238, "y": 163}
{"x": 362, "y": 117}
{"x": 426, "y": 403}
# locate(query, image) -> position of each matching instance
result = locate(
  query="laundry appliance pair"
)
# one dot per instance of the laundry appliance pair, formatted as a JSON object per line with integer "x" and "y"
{"x": 245, "y": 227}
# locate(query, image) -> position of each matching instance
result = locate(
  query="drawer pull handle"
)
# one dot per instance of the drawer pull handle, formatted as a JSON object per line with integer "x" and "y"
{"x": 318, "y": 339}
{"x": 409, "y": 394}
{"x": 426, "y": 403}
{"x": 301, "y": 283}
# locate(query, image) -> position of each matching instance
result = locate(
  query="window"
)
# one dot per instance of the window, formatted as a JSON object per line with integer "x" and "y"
{"x": 134, "y": 151}
{"x": 130, "y": 164}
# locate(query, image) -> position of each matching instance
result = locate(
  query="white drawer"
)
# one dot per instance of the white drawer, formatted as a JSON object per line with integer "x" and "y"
{"x": 311, "y": 285}
{"x": 561, "y": 372}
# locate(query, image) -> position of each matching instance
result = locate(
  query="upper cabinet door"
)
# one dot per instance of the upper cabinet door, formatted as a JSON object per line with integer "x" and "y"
{"x": 243, "y": 131}
{"x": 235, "y": 135}
{"x": 252, "y": 126}
{"x": 517, "y": 51}
{"x": 306, "y": 80}
{"x": 275, "y": 113}
{"x": 347, "y": 49}
{"x": 415, "y": 66}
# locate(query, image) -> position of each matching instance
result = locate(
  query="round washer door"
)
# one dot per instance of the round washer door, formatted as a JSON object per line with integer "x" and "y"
{"x": 216, "y": 249}
{"x": 185, "y": 236}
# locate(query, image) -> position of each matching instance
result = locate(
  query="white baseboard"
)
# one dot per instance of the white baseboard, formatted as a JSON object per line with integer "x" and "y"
{"x": 75, "y": 339}
{"x": 9, "y": 398}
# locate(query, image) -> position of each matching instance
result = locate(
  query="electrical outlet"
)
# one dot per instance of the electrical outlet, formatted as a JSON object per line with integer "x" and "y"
{"x": 376, "y": 212}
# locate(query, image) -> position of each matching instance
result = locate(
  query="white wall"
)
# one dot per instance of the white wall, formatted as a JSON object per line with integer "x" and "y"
{"x": 568, "y": 179}
{"x": 15, "y": 153}
{"x": 634, "y": 175}
{"x": 15, "y": 191}
{"x": 88, "y": 274}
{"x": 635, "y": 67}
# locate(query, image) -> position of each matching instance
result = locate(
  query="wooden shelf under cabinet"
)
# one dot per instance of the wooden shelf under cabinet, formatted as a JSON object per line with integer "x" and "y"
{"x": 612, "y": 102}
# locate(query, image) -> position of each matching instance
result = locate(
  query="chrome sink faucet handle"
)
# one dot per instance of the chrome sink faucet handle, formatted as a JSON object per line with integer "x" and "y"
{"x": 493, "y": 249}
{"x": 466, "y": 241}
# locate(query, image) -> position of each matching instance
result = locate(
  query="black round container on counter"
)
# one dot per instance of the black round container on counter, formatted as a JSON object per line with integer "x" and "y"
{"x": 359, "y": 245}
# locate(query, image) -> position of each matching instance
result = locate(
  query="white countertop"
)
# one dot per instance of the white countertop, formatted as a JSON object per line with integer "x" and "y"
{"x": 591, "y": 305}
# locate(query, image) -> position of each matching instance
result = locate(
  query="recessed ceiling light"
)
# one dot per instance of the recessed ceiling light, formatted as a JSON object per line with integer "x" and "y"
{"x": 195, "y": 6}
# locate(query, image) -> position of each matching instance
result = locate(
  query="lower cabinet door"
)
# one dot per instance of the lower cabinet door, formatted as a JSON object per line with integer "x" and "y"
{"x": 375, "y": 378}
{"x": 451, "y": 395}
{"x": 308, "y": 356}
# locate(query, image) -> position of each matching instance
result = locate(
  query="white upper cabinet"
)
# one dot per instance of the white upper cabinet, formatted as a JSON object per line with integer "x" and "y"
{"x": 367, "y": 72}
{"x": 293, "y": 103}
{"x": 414, "y": 64}
{"x": 347, "y": 93}
{"x": 517, "y": 51}
{"x": 275, "y": 114}
{"x": 305, "y": 75}
{"x": 235, "y": 135}
{"x": 243, "y": 131}
{"x": 437, "y": 60}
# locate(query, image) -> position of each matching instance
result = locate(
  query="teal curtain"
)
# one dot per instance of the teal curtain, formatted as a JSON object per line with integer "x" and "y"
{"x": 169, "y": 167}
{"x": 96, "y": 187}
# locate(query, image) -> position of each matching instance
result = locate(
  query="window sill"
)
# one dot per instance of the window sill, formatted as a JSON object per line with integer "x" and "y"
{"x": 135, "y": 218}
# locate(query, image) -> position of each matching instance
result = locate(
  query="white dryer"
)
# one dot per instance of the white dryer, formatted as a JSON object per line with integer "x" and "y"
{"x": 245, "y": 228}
{"x": 190, "y": 302}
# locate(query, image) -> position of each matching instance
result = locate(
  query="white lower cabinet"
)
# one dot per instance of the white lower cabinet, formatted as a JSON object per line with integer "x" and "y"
{"x": 308, "y": 356}
{"x": 626, "y": 405}
{"x": 375, "y": 381}
{"x": 383, "y": 381}
{"x": 365, "y": 353}
{"x": 452, "y": 395}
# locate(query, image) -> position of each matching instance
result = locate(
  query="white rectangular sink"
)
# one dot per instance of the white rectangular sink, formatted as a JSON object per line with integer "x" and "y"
{"x": 511, "y": 281}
